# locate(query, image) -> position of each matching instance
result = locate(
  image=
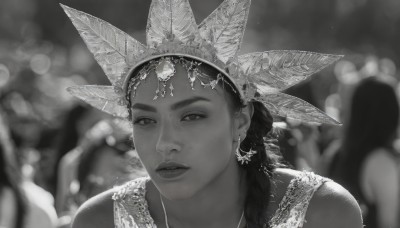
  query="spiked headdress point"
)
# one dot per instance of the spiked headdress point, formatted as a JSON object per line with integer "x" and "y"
{"x": 172, "y": 31}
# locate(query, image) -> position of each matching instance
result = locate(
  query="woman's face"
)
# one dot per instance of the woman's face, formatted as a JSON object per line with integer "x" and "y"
{"x": 185, "y": 141}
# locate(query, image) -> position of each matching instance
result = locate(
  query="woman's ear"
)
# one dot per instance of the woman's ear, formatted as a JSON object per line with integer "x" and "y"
{"x": 243, "y": 120}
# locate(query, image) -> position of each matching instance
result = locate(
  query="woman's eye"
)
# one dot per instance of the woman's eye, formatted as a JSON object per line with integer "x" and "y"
{"x": 191, "y": 117}
{"x": 143, "y": 121}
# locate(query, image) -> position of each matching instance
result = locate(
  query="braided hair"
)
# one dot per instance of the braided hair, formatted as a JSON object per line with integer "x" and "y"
{"x": 260, "y": 168}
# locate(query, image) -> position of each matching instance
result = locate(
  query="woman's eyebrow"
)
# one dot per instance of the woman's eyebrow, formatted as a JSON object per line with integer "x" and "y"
{"x": 183, "y": 103}
{"x": 175, "y": 106}
{"x": 144, "y": 107}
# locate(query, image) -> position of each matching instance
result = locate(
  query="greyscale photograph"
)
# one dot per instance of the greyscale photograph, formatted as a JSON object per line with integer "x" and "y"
{"x": 199, "y": 114}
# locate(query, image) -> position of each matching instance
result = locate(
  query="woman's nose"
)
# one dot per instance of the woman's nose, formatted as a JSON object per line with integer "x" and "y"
{"x": 168, "y": 139}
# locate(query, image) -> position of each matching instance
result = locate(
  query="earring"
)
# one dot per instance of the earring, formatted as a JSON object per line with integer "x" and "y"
{"x": 244, "y": 159}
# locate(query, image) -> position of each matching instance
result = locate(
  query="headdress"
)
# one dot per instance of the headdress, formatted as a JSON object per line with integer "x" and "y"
{"x": 172, "y": 31}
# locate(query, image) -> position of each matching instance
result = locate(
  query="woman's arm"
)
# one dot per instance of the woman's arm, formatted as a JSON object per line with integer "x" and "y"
{"x": 332, "y": 206}
{"x": 381, "y": 183}
{"x": 97, "y": 212}
{"x": 8, "y": 207}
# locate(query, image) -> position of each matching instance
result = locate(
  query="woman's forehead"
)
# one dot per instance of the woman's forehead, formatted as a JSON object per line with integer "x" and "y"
{"x": 178, "y": 87}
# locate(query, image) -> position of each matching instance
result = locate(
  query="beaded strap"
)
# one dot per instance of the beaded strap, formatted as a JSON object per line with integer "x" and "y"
{"x": 130, "y": 205}
{"x": 131, "y": 208}
{"x": 293, "y": 207}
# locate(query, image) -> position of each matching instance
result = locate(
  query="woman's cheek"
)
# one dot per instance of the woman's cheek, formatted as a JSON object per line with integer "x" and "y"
{"x": 144, "y": 145}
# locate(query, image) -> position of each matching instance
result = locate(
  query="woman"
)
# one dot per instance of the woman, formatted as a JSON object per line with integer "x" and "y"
{"x": 22, "y": 203}
{"x": 103, "y": 159}
{"x": 367, "y": 163}
{"x": 13, "y": 202}
{"x": 200, "y": 114}
{"x": 111, "y": 162}
{"x": 108, "y": 162}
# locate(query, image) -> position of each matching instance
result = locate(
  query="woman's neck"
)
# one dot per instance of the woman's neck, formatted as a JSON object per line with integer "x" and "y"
{"x": 219, "y": 204}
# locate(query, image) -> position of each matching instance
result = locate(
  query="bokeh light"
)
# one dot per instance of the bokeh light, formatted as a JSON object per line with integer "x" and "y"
{"x": 40, "y": 64}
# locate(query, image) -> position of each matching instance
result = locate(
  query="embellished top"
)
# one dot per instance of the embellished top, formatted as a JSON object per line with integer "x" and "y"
{"x": 131, "y": 208}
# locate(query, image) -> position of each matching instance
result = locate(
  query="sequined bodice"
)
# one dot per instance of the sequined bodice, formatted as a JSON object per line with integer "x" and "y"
{"x": 131, "y": 209}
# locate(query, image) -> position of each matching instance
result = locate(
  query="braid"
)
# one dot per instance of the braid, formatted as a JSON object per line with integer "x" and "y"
{"x": 260, "y": 167}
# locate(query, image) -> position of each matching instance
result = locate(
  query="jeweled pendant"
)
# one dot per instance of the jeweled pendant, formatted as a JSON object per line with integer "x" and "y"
{"x": 165, "y": 70}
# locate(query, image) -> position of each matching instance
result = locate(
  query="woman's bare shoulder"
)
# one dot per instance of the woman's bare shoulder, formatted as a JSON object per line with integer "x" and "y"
{"x": 285, "y": 174}
{"x": 333, "y": 206}
{"x": 281, "y": 179}
{"x": 97, "y": 212}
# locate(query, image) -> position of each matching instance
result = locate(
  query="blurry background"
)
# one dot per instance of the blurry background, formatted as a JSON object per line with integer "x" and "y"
{"x": 41, "y": 54}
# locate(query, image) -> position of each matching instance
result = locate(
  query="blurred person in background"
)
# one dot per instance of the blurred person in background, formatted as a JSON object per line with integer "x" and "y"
{"x": 298, "y": 144}
{"x": 22, "y": 203}
{"x": 78, "y": 120}
{"x": 367, "y": 163}
{"x": 13, "y": 203}
{"x": 103, "y": 159}
{"x": 306, "y": 145}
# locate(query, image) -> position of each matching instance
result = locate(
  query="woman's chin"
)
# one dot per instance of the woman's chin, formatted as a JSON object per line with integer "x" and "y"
{"x": 177, "y": 191}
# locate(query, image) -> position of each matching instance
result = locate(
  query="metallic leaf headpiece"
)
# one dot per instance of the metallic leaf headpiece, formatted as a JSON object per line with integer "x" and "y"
{"x": 172, "y": 31}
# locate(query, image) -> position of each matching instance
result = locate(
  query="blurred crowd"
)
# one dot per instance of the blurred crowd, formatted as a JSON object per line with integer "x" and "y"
{"x": 56, "y": 152}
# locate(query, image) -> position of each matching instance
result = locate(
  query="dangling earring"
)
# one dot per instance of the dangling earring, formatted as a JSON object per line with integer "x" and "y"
{"x": 244, "y": 159}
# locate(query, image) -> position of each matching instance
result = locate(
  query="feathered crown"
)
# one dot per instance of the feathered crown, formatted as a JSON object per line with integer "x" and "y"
{"x": 172, "y": 31}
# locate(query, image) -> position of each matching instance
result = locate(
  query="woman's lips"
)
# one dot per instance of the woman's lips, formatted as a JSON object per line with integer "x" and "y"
{"x": 171, "y": 170}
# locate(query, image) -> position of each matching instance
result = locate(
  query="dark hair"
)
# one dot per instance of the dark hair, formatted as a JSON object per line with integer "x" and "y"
{"x": 259, "y": 138}
{"x": 6, "y": 180}
{"x": 260, "y": 168}
{"x": 372, "y": 124}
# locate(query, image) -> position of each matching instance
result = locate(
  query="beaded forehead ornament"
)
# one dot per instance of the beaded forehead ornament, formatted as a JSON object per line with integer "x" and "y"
{"x": 172, "y": 32}
{"x": 165, "y": 70}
